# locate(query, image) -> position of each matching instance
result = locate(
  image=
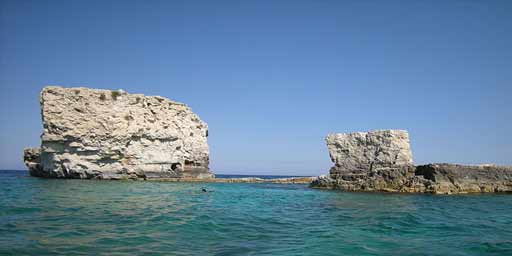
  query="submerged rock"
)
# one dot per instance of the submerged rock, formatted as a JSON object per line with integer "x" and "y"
{"x": 382, "y": 161}
{"x": 92, "y": 133}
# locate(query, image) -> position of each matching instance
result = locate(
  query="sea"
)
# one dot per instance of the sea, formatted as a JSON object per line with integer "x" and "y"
{"x": 98, "y": 217}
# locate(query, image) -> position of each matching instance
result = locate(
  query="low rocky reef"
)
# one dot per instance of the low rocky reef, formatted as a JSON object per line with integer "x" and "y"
{"x": 104, "y": 134}
{"x": 454, "y": 178}
{"x": 382, "y": 161}
{"x": 288, "y": 180}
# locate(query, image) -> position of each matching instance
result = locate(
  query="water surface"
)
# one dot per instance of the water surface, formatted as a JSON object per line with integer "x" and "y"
{"x": 43, "y": 217}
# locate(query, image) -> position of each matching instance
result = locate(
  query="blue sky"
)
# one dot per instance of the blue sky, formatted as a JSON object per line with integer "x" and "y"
{"x": 273, "y": 78}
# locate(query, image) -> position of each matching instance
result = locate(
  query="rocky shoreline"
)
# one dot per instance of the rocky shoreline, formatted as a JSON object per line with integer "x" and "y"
{"x": 114, "y": 135}
{"x": 382, "y": 161}
{"x": 290, "y": 180}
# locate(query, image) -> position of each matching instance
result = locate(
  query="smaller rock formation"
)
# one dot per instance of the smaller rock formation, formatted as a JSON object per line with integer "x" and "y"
{"x": 370, "y": 161}
{"x": 368, "y": 151}
{"x": 456, "y": 179}
{"x": 382, "y": 161}
{"x": 32, "y": 159}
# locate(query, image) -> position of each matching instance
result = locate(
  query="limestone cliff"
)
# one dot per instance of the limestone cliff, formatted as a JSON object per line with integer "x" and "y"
{"x": 90, "y": 133}
{"x": 382, "y": 161}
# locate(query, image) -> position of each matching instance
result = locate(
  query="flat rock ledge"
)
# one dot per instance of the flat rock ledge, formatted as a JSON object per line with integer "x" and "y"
{"x": 455, "y": 179}
{"x": 382, "y": 161}
{"x": 105, "y": 134}
{"x": 291, "y": 180}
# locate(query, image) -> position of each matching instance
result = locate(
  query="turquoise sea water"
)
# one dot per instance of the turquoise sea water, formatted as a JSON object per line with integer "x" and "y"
{"x": 87, "y": 217}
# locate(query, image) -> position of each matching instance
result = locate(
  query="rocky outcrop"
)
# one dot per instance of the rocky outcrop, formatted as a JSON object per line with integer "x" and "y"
{"x": 371, "y": 161}
{"x": 386, "y": 180}
{"x": 382, "y": 161}
{"x": 32, "y": 159}
{"x": 363, "y": 152}
{"x": 455, "y": 179}
{"x": 90, "y": 133}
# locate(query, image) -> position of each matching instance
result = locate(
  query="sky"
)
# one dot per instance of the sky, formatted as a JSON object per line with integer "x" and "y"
{"x": 273, "y": 78}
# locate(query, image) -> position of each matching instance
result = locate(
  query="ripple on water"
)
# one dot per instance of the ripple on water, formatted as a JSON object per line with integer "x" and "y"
{"x": 43, "y": 217}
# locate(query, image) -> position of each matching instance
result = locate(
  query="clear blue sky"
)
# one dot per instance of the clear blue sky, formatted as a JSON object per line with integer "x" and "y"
{"x": 272, "y": 78}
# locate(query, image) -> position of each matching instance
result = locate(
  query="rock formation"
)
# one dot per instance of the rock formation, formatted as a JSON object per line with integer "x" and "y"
{"x": 382, "y": 161}
{"x": 370, "y": 161}
{"x": 369, "y": 151}
{"x": 105, "y": 134}
{"x": 454, "y": 178}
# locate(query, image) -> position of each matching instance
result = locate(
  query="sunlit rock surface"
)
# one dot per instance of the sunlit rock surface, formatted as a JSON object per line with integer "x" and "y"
{"x": 382, "y": 161}
{"x": 368, "y": 151}
{"x": 455, "y": 178}
{"x": 91, "y": 133}
{"x": 371, "y": 161}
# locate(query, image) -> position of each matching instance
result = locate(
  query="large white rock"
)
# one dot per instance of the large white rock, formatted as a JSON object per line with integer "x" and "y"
{"x": 372, "y": 161}
{"x": 91, "y": 133}
{"x": 367, "y": 151}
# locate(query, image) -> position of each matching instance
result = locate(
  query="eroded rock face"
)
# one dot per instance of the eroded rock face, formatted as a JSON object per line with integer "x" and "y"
{"x": 368, "y": 151}
{"x": 456, "y": 179}
{"x": 371, "y": 161}
{"x": 32, "y": 159}
{"x": 382, "y": 161}
{"x": 90, "y": 133}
